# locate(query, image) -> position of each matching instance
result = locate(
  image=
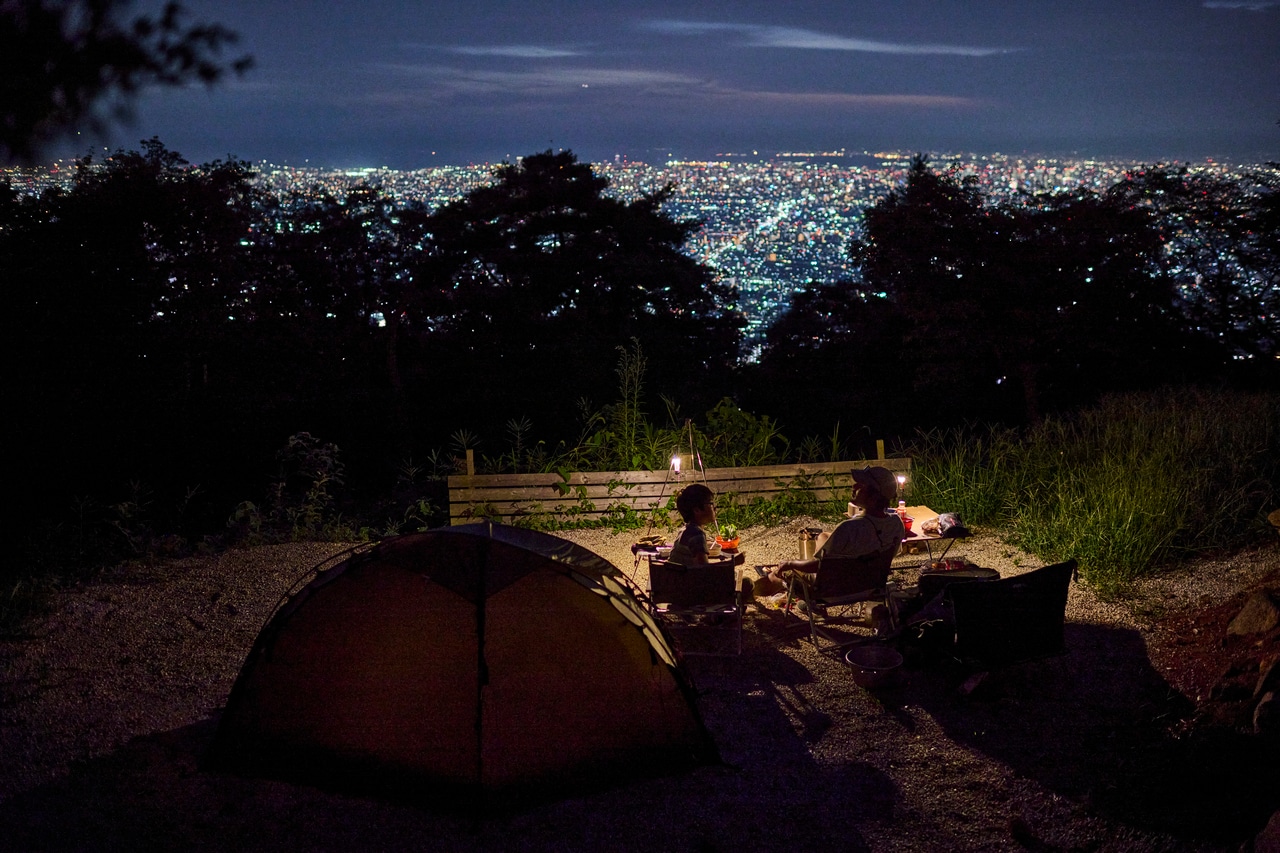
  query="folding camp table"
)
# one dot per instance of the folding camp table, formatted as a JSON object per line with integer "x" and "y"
{"x": 921, "y": 514}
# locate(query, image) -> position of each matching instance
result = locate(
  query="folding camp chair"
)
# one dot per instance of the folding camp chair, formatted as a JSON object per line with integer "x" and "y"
{"x": 998, "y": 623}
{"x": 840, "y": 582}
{"x": 705, "y": 598}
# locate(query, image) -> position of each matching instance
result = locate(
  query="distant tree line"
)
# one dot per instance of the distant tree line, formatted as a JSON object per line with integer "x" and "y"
{"x": 1012, "y": 310}
{"x": 178, "y": 321}
{"x": 175, "y": 323}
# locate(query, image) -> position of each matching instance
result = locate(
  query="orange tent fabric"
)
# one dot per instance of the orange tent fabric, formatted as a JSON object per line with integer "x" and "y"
{"x": 464, "y": 664}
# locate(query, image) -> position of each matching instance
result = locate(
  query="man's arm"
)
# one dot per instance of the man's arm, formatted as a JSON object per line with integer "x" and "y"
{"x": 808, "y": 566}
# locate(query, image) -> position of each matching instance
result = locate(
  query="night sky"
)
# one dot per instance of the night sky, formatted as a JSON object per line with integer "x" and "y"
{"x": 412, "y": 84}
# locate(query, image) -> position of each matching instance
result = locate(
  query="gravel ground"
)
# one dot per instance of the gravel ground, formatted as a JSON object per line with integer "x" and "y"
{"x": 107, "y": 706}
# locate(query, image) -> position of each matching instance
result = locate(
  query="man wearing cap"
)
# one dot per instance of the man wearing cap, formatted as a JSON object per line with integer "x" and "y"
{"x": 870, "y": 528}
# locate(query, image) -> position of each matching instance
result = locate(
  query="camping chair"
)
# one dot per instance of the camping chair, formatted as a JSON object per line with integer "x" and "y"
{"x": 706, "y": 598}
{"x": 1017, "y": 619}
{"x": 840, "y": 582}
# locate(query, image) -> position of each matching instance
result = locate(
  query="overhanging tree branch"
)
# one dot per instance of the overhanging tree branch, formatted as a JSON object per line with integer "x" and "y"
{"x": 67, "y": 63}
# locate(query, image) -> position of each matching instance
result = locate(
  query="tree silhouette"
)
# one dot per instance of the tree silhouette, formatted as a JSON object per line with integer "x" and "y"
{"x": 1009, "y": 309}
{"x": 63, "y": 61}
{"x": 835, "y": 354}
{"x": 142, "y": 247}
{"x": 926, "y": 246}
{"x": 1222, "y": 249}
{"x": 541, "y": 276}
{"x": 343, "y": 278}
{"x": 124, "y": 296}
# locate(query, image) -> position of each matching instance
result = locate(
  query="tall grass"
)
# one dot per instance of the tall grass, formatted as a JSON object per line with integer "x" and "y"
{"x": 1125, "y": 487}
{"x": 965, "y": 470}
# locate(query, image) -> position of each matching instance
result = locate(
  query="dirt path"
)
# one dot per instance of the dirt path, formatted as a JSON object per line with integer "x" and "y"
{"x": 106, "y": 709}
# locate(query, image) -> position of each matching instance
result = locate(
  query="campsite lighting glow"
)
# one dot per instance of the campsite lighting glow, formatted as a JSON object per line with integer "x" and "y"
{"x": 675, "y": 462}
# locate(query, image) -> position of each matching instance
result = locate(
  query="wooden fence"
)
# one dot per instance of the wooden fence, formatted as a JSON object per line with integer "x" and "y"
{"x": 586, "y": 496}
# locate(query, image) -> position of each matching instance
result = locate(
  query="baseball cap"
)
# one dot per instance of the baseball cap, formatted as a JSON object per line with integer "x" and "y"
{"x": 880, "y": 479}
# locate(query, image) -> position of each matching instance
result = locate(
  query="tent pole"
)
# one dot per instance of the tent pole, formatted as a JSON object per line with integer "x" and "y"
{"x": 702, "y": 469}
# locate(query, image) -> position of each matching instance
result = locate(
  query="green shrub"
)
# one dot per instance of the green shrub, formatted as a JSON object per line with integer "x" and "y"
{"x": 797, "y": 498}
{"x": 736, "y": 439}
{"x": 1125, "y": 487}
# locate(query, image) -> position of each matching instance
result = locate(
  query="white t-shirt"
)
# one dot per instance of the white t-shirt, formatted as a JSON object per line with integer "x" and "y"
{"x": 863, "y": 535}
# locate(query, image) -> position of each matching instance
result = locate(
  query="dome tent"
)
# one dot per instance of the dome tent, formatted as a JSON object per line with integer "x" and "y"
{"x": 462, "y": 666}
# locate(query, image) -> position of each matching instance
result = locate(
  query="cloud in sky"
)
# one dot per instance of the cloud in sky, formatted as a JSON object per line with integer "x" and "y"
{"x": 518, "y": 51}
{"x": 479, "y": 75}
{"x": 835, "y": 100}
{"x": 801, "y": 39}
{"x": 423, "y": 85}
{"x": 447, "y": 82}
{"x": 549, "y": 75}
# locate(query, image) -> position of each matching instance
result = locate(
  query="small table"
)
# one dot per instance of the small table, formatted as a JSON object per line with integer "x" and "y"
{"x": 919, "y": 515}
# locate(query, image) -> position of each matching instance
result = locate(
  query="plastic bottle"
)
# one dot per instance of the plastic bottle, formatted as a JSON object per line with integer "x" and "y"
{"x": 902, "y": 509}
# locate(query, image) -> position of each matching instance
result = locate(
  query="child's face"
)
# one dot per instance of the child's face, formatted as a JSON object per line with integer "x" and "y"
{"x": 705, "y": 514}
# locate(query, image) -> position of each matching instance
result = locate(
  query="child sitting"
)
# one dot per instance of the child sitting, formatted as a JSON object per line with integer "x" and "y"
{"x": 693, "y": 545}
